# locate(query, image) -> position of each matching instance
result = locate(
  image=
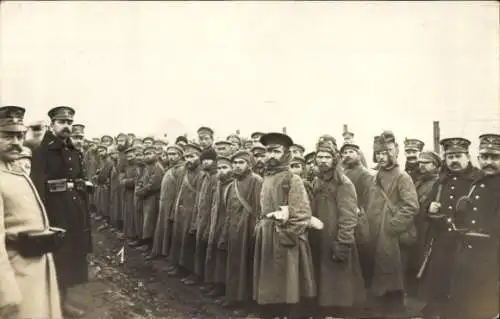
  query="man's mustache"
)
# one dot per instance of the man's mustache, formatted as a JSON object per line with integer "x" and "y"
{"x": 66, "y": 130}
{"x": 490, "y": 166}
{"x": 15, "y": 148}
{"x": 455, "y": 164}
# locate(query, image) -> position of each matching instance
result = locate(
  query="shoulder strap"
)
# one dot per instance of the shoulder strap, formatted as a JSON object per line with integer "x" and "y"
{"x": 226, "y": 194}
{"x": 285, "y": 186}
{"x": 392, "y": 207}
{"x": 243, "y": 202}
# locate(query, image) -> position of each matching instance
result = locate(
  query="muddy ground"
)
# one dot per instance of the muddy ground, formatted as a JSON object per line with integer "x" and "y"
{"x": 136, "y": 288}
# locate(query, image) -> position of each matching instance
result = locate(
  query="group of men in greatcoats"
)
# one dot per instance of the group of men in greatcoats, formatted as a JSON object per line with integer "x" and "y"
{"x": 257, "y": 224}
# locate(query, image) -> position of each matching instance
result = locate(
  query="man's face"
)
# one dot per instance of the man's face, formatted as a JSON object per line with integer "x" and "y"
{"x": 387, "y": 158}
{"x": 489, "y": 163}
{"x": 139, "y": 157}
{"x": 149, "y": 156}
{"x": 23, "y": 165}
{"x": 173, "y": 157}
{"x": 159, "y": 149}
{"x": 77, "y": 142}
{"x": 234, "y": 147}
{"x": 37, "y": 132}
{"x": 163, "y": 157}
{"x": 114, "y": 155}
{"x": 148, "y": 143}
{"x": 222, "y": 148}
{"x": 310, "y": 166}
{"x": 324, "y": 160}
{"x": 240, "y": 166}
{"x": 181, "y": 144}
{"x": 426, "y": 167}
{"x": 11, "y": 145}
{"x": 411, "y": 155}
{"x": 191, "y": 159}
{"x": 107, "y": 141}
{"x": 130, "y": 156}
{"x": 259, "y": 157}
{"x": 248, "y": 145}
{"x": 205, "y": 140}
{"x": 207, "y": 163}
{"x": 137, "y": 142}
{"x": 457, "y": 162}
{"x": 62, "y": 128}
{"x": 296, "y": 152}
{"x": 297, "y": 168}
{"x": 274, "y": 154}
{"x": 223, "y": 170}
{"x": 121, "y": 142}
{"x": 234, "y": 140}
{"x": 102, "y": 152}
{"x": 350, "y": 156}
{"x": 256, "y": 139}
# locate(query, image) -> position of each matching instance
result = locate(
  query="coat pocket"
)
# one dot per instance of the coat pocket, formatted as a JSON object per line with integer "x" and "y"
{"x": 285, "y": 238}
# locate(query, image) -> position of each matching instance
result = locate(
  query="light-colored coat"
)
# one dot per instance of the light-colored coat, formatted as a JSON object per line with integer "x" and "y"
{"x": 30, "y": 283}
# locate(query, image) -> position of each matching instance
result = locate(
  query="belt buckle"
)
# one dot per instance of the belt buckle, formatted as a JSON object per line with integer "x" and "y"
{"x": 57, "y": 185}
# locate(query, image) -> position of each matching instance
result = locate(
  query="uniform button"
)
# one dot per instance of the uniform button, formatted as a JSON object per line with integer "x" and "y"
{"x": 469, "y": 246}
{"x": 453, "y": 187}
{"x": 449, "y": 229}
{"x": 482, "y": 185}
{"x": 74, "y": 198}
{"x": 477, "y": 196}
{"x": 70, "y": 169}
{"x": 450, "y": 207}
{"x": 455, "y": 178}
{"x": 473, "y": 221}
{"x": 451, "y": 196}
{"x": 69, "y": 158}
{"x": 474, "y": 208}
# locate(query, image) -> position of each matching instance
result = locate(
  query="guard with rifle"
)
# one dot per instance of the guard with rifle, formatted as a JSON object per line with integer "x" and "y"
{"x": 456, "y": 176}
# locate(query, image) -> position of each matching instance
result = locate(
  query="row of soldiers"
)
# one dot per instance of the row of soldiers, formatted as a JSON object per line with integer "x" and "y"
{"x": 259, "y": 224}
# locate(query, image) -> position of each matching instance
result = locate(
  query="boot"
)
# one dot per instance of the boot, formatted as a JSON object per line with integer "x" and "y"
{"x": 72, "y": 311}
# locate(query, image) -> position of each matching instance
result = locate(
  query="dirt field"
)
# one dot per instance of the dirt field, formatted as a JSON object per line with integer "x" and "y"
{"x": 136, "y": 289}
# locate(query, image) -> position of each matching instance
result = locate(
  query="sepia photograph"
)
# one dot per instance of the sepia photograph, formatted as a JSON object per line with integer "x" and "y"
{"x": 249, "y": 159}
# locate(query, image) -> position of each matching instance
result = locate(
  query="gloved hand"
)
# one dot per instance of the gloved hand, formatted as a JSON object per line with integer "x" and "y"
{"x": 316, "y": 223}
{"x": 340, "y": 252}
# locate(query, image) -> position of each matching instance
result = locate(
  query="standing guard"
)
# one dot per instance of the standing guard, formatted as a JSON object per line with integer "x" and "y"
{"x": 58, "y": 175}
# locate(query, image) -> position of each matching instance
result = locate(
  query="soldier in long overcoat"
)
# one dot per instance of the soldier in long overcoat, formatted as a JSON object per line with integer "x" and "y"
{"x": 170, "y": 185}
{"x": 22, "y": 211}
{"x": 128, "y": 180}
{"x": 283, "y": 268}
{"x": 475, "y": 267}
{"x": 56, "y": 169}
{"x": 392, "y": 206}
{"x": 337, "y": 268}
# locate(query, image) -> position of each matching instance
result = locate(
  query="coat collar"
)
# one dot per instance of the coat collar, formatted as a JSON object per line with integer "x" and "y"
{"x": 51, "y": 141}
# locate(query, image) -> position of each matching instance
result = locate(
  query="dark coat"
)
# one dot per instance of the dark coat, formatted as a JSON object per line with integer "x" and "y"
{"x": 475, "y": 268}
{"x": 436, "y": 278}
{"x": 54, "y": 159}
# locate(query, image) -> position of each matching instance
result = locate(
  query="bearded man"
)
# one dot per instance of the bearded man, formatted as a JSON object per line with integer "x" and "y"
{"x": 363, "y": 179}
{"x": 391, "y": 212}
{"x": 200, "y": 223}
{"x": 235, "y": 141}
{"x": 454, "y": 181}
{"x": 475, "y": 270}
{"x": 183, "y": 241}
{"x": 28, "y": 282}
{"x": 170, "y": 185}
{"x": 337, "y": 265}
{"x": 283, "y": 269}
{"x": 243, "y": 208}
{"x": 259, "y": 154}
{"x": 107, "y": 140}
{"x": 122, "y": 144}
{"x": 58, "y": 175}
{"x": 103, "y": 182}
{"x": 216, "y": 260}
{"x": 413, "y": 147}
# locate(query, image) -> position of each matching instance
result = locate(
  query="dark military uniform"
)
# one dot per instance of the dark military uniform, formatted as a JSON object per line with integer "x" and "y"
{"x": 55, "y": 163}
{"x": 436, "y": 279}
{"x": 475, "y": 270}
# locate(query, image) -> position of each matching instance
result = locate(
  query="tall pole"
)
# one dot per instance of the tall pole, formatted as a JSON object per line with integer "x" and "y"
{"x": 436, "y": 135}
{"x": 284, "y": 129}
{"x": 237, "y": 132}
{"x": 345, "y": 129}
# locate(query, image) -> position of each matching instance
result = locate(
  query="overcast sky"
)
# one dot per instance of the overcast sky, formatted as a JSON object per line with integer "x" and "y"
{"x": 135, "y": 67}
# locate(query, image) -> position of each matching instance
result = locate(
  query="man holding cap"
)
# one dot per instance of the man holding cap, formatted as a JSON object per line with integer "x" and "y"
{"x": 475, "y": 281}
{"x": 28, "y": 284}
{"x": 57, "y": 172}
